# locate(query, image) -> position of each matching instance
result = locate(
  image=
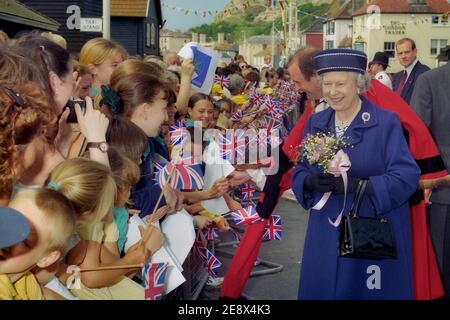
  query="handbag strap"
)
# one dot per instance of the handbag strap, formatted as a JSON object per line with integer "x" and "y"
{"x": 354, "y": 211}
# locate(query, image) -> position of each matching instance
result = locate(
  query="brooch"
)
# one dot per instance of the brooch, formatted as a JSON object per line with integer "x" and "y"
{"x": 365, "y": 117}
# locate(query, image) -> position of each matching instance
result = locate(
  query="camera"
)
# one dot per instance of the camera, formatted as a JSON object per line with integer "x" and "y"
{"x": 72, "y": 118}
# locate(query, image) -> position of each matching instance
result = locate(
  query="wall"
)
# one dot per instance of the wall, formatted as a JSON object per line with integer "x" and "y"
{"x": 314, "y": 40}
{"x": 342, "y": 29}
{"x": 401, "y": 25}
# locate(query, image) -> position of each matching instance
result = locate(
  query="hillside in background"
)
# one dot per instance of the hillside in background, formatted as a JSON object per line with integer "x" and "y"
{"x": 256, "y": 20}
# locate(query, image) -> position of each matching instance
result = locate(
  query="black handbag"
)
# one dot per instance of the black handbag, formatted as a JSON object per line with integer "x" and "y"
{"x": 365, "y": 237}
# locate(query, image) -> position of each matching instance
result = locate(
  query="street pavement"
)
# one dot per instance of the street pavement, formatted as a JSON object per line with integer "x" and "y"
{"x": 282, "y": 285}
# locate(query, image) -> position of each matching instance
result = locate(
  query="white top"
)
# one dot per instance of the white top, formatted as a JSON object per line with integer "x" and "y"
{"x": 383, "y": 77}
{"x": 411, "y": 67}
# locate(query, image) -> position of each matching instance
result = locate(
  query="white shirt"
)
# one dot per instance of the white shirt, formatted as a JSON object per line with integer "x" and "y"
{"x": 383, "y": 77}
{"x": 410, "y": 68}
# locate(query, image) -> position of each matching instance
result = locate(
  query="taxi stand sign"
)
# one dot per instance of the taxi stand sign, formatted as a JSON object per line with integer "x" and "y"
{"x": 91, "y": 24}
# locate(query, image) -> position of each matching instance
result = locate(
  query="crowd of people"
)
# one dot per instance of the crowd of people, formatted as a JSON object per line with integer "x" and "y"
{"x": 83, "y": 137}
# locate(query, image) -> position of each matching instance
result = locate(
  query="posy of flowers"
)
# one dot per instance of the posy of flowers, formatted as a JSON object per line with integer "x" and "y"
{"x": 319, "y": 149}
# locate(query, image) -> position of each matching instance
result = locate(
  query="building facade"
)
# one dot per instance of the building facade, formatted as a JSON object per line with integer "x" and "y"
{"x": 135, "y": 24}
{"x": 174, "y": 40}
{"x": 313, "y": 35}
{"x": 426, "y": 22}
{"x": 338, "y": 25}
{"x": 255, "y": 48}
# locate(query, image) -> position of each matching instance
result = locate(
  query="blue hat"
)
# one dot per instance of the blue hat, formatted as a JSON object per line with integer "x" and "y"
{"x": 340, "y": 60}
{"x": 14, "y": 227}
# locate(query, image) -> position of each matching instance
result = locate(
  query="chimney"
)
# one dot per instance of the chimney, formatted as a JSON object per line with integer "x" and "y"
{"x": 194, "y": 36}
{"x": 202, "y": 38}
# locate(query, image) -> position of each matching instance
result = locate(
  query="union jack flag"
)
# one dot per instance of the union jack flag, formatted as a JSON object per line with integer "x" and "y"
{"x": 211, "y": 233}
{"x": 237, "y": 116}
{"x": 283, "y": 104}
{"x": 211, "y": 262}
{"x": 154, "y": 275}
{"x": 245, "y": 215}
{"x": 273, "y": 230}
{"x": 223, "y": 81}
{"x": 273, "y": 107}
{"x": 226, "y": 146}
{"x": 247, "y": 191}
{"x": 178, "y": 133}
{"x": 239, "y": 143}
{"x": 255, "y": 97}
{"x": 270, "y": 124}
{"x": 185, "y": 176}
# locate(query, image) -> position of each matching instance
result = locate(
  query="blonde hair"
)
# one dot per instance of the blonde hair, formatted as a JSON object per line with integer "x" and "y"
{"x": 56, "y": 38}
{"x": 89, "y": 185}
{"x": 132, "y": 66}
{"x": 81, "y": 68}
{"x": 58, "y": 213}
{"x": 97, "y": 50}
{"x": 126, "y": 173}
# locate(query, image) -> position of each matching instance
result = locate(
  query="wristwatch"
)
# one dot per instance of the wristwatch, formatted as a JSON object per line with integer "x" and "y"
{"x": 102, "y": 146}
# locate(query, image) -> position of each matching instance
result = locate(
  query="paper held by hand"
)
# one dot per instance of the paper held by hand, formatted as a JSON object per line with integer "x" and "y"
{"x": 174, "y": 277}
{"x": 215, "y": 168}
{"x": 205, "y": 62}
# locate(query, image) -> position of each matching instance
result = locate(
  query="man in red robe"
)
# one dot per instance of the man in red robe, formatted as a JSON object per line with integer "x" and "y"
{"x": 426, "y": 279}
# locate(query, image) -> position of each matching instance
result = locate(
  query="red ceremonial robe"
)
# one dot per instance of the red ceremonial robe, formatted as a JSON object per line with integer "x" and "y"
{"x": 426, "y": 279}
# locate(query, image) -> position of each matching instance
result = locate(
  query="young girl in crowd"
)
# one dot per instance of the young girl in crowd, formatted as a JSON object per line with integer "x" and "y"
{"x": 84, "y": 81}
{"x": 25, "y": 119}
{"x": 101, "y": 56}
{"x": 90, "y": 187}
{"x": 126, "y": 175}
{"x": 142, "y": 99}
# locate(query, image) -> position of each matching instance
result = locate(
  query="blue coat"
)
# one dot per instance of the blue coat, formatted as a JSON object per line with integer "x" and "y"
{"x": 380, "y": 154}
{"x": 146, "y": 192}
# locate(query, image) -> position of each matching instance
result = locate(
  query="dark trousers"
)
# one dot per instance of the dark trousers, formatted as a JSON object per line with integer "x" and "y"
{"x": 439, "y": 224}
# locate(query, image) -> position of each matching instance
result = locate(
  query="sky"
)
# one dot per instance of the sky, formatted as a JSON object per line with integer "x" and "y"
{"x": 180, "y": 20}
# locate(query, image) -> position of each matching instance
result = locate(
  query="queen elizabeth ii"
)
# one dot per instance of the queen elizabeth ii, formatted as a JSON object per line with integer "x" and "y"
{"x": 378, "y": 153}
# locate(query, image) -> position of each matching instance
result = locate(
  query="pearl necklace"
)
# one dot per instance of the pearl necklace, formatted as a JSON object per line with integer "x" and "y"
{"x": 341, "y": 126}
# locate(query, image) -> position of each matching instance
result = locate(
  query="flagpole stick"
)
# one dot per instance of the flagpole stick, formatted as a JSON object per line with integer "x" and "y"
{"x": 126, "y": 266}
{"x": 148, "y": 231}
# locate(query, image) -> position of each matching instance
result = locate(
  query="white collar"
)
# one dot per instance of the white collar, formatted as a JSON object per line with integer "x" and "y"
{"x": 411, "y": 67}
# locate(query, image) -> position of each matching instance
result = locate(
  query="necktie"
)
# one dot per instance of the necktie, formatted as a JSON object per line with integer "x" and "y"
{"x": 402, "y": 83}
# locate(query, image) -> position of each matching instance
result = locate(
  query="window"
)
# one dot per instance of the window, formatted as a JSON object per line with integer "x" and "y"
{"x": 329, "y": 44}
{"x": 443, "y": 20}
{"x": 330, "y": 27}
{"x": 437, "y": 45}
{"x": 154, "y": 35}
{"x": 389, "y": 48}
{"x": 148, "y": 35}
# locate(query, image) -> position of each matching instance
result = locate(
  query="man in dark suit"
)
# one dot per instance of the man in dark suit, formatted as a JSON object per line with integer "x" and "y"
{"x": 404, "y": 81}
{"x": 431, "y": 102}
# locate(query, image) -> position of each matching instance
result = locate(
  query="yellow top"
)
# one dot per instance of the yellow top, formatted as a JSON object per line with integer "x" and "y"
{"x": 268, "y": 90}
{"x": 26, "y": 288}
{"x": 239, "y": 99}
{"x": 214, "y": 217}
{"x": 217, "y": 90}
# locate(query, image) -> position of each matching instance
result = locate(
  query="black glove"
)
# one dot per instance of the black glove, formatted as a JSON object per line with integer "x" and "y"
{"x": 320, "y": 182}
{"x": 352, "y": 185}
